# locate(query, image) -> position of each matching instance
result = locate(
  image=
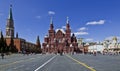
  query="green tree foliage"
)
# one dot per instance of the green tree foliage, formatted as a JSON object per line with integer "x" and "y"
{"x": 2, "y": 43}
{"x": 12, "y": 47}
{"x": 38, "y": 46}
{"x": 6, "y": 47}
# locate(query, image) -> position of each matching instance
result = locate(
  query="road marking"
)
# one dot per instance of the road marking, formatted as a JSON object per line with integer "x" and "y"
{"x": 45, "y": 63}
{"x": 81, "y": 63}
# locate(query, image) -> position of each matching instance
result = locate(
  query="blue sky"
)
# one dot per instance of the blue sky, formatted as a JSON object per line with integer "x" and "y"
{"x": 89, "y": 19}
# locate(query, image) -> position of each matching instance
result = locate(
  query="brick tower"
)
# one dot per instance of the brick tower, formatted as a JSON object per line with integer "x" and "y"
{"x": 10, "y": 25}
{"x": 68, "y": 31}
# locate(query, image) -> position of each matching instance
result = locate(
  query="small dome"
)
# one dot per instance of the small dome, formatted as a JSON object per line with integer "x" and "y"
{"x": 115, "y": 38}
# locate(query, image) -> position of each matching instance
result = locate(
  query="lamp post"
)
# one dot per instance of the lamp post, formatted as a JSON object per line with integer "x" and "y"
{"x": 47, "y": 47}
{"x": 71, "y": 49}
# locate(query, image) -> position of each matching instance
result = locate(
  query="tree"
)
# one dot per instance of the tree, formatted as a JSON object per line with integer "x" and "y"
{"x": 5, "y": 46}
{"x": 72, "y": 38}
{"x": 38, "y": 45}
{"x": 1, "y": 43}
{"x": 12, "y": 48}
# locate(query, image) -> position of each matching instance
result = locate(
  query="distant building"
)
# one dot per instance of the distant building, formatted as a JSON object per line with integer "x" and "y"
{"x": 59, "y": 40}
{"x": 114, "y": 45}
{"x": 96, "y": 48}
{"x": 20, "y": 43}
{"x": 81, "y": 44}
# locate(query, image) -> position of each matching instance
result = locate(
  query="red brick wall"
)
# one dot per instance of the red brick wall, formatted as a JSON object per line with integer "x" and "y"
{"x": 16, "y": 43}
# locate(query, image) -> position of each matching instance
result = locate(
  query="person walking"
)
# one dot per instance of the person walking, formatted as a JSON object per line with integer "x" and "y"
{"x": 2, "y": 55}
{"x": 94, "y": 53}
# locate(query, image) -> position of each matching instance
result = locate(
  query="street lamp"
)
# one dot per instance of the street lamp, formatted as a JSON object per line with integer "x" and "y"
{"x": 47, "y": 47}
{"x": 71, "y": 48}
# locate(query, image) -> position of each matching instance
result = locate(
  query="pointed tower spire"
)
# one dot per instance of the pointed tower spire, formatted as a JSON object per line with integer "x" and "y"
{"x": 51, "y": 24}
{"x": 51, "y": 20}
{"x": 10, "y": 13}
{"x": 67, "y": 24}
{"x": 68, "y": 30}
{"x": 17, "y": 35}
{"x": 38, "y": 45}
{"x": 10, "y": 24}
{"x": 38, "y": 42}
{"x": 67, "y": 20}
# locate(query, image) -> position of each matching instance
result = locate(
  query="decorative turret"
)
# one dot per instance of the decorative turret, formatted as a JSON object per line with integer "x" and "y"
{"x": 73, "y": 38}
{"x": 114, "y": 40}
{"x": 10, "y": 13}
{"x": 67, "y": 24}
{"x": 10, "y": 25}
{"x": 68, "y": 30}
{"x": 51, "y": 24}
{"x": 51, "y": 30}
{"x": 38, "y": 42}
{"x": 17, "y": 35}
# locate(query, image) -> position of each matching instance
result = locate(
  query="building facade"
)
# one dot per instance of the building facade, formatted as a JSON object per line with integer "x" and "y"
{"x": 59, "y": 40}
{"x": 20, "y": 43}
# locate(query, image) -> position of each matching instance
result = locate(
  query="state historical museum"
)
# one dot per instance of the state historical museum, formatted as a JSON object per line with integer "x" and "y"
{"x": 59, "y": 40}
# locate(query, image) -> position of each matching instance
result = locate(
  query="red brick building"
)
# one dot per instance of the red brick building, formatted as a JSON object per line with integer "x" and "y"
{"x": 59, "y": 40}
{"x": 20, "y": 43}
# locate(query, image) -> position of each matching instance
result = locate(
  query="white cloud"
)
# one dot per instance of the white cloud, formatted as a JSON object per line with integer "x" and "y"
{"x": 51, "y": 12}
{"x": 82, "y": 29}
{"x": 81, "y": 33}
{"x": 38, "y": 17}
{"x": 89, "y": 39}
{"x": 63, "y": 27}
{"x": 100, "y": 22}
